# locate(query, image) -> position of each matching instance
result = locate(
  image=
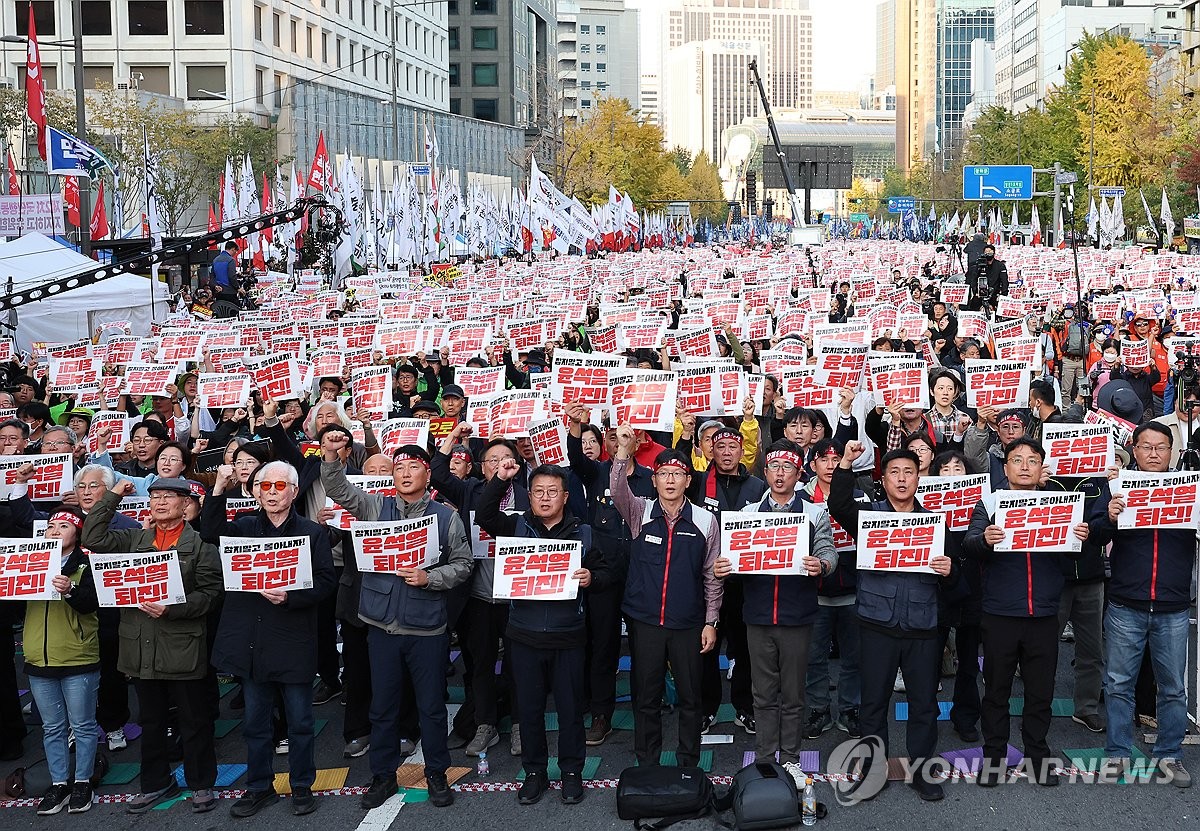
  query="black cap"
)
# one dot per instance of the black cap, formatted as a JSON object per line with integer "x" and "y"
{"x": 434, "y": 357}
{"x": 173, "y": 484}
{"x": 537, "y": 357}
{"x": 427, "y": 406}
{"x": 453, "y": 391}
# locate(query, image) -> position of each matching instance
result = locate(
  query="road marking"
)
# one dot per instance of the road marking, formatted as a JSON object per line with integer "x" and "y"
{"x": 381, "y": 818}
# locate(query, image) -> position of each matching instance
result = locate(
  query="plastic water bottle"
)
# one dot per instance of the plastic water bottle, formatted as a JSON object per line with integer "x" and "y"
{"x": 808, "y": 805}
{"x": 482, "y": 768}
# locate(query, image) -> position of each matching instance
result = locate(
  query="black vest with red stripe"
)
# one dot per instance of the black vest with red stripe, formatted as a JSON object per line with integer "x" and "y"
{"x": 779, "y": 601}
{"x": 665, "y": 583}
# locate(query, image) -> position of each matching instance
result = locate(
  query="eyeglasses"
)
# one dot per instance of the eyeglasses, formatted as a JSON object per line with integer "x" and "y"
{"x": 1154, "y": 449}
{"x": 158, "y": 496}
{"x": 55, "y": 443}
{"x": 545, "y": 493}
{"x": 267, "y": 487}
{"x": 144, "y": 440}
{"x": 786, "y": 467}
{"x": 89, "y": 486}
{"x": 495, "y": 462}
{"x": 670, "y": 475}
{"x": 246, "y": 463}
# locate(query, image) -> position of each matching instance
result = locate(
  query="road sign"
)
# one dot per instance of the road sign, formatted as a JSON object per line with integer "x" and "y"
{"x": 420, "y": 169}
{"x": 860, "y": 217}
{"x": 1067, "y": 177}
{"x": 998, "y": 181}
{"x": 900, "y": 204}
{"x": 1109, "y": 193}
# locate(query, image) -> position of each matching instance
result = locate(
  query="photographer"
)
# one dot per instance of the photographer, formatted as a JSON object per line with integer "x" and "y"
{"x": 989, "y": 278}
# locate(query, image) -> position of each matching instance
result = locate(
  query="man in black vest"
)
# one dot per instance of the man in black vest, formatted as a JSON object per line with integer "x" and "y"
{"x": 406, "y": 614}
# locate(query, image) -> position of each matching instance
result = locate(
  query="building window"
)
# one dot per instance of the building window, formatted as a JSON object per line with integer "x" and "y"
{"x": 280, "y": 85}
{"x": 94, "y": 76}
{"x": 585, "y": 29}
{"x": 43, "y": 17}
{"x": 485, "y": 74}
{"x": 147, "y": 17}
{"x": 292, "y": 24}
{"x": 600, "y": 47}
{"x": 456, "y": 106}
{"x": 97, "y": 17}
{"x": 206, "y": 83}
{"x": 600, "y": 30}
{"x": 487, "y": 109}
{"x": 258, "y": 13}
{"x": 453, "y": 33}
{"x": 337, "y": 53}
{"x": 585, "y": 103}
{"x": 276, "y": 26}
{"x": 484, "y": 38}
{"x": 602, "y": 67}
{"x": 602, "y": 85}
{"x": 584, "y": 48}
{"x": 454, "y": 75}
{"x": 483, "y": 6}
{"x": 204, "y": 17}
{"x": 585, "y": 84}
{"x": 152, "y": 78}
{"x": 325, "y": 47}
{"x": 260, "y": 86}
{"x": 585, "y": 67}
{"x": 49, "y": 76}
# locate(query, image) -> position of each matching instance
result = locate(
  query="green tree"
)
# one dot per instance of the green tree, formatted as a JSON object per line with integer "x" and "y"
{"x": 704, "y": 186}
{"x": 683, "y": 159}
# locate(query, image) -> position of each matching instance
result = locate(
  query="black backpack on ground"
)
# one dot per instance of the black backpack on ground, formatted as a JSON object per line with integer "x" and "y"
{"x": 763, "y": 795}
{"x": 665, "y": 794}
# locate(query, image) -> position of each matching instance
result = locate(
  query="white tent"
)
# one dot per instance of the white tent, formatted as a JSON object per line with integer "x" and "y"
{"x": 33, "y": 260}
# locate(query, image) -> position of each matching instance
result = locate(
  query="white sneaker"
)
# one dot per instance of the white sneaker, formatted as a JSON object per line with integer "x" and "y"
{"x": 116, "y": 739}
{"x": 899, "y": 685}
{"x": 797, "y": 773}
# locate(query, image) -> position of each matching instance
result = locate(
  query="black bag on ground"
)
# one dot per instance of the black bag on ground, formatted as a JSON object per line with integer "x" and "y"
{"x": 764, "y": 795}
{"x": 671, "y": 794}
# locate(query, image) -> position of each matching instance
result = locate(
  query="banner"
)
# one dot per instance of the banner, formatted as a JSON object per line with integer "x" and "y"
{"x": 397, "y": 432}
{"x": 120, "y": 425}
{"x": 841, "y": 365}
{"x": 800, "y": 387}
{"x": 1135, "y": 353}
{"x": 549, "y": 439}
{"x": 375, "y": 485}
{"x": 765, "y": 543}
{"x": 387, "y": 547}
{"x": 888, "y": 541}
{"x": 147, "y": 379}
{"x": 954, "y": 497}
{"x": 124, "y": 580}
{"x": 255, "y": 564}
{"x": 581, "y": 378}
{"x": 1077, "y": 449}
{"x": 27, "y": 567}
{"x": 535, "y": 569}
{"x": 999, "y": 384}
{"x": 899, "y": 379}
{"x": 52, "y": 476}
{"x": 643, "y": 398}
{"x": 1039, "y": 520}
{"x": 483, "y": 381}
{"x": 372, "y": 391}
{"x": 71, "y": 376}
{"x": 1157, "y": 500}
{"x": 276, "y": 376}
{"x": 219, "y": 390}
{"x": 20, "y": 215}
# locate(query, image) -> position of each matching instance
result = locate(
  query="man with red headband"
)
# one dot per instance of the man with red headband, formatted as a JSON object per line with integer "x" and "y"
{"x": 779, "y": 614}
{"x": 672, "y": 597}
{"x": 407, "y": 617}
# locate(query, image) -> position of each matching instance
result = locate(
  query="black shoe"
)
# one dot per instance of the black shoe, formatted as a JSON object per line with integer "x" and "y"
{"x": 745, "y": 721}
{"x": 847, "y": 721}
{"x": 303, "y": 802}
{"x": 706, "y": 724}
{"x": 968, "y": 734}
{"x": 1046, "y": 773}
{"x": 457, "y": 741}
{"x": 440, "y": 794}
{"x": 928, "y": 791}
{"x": 81, "y": 798}
{"x": 533, "y": 788}
{"x": 989, "y": 776}
{"x": 54, "y": 800}
{"x": 382, "y": 788}
{"x": 818, "y": 722}
{"x": 572, "y": 788}
{"x": 1091, "y": 722}
{"x": 252, "y": 803}
{"x": 323, "y": 693}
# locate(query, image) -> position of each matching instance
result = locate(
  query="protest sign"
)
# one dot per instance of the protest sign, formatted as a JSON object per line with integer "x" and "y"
{"x": 217, "y": 390}
{"x": 899, "y": 379}
{"x": 1135, "y": 353}
{"x": 954, "y": 497}
{"x": 1157, "y": 500}
{"x": 641, "y": 334}
{"x": 387, "y": 547}
{"x": 115, "y": 420}
{"x": 374, "y": 485}
{"x": 276, "y": 376}
{"x": 536, "y": 569}
{"x": 841, "y": 365}
{"x": 800, "y": 387}
{"x": 549, "y": 439}
{"x": 147, "y": 379}
{"x": 1077, "y": 449}
{"x": 698, "y": 343}
{"x": 1039, "y": 520}
{"x": 124, "y": 580}
{"x": 372, "y": 390}
{"x": 1122, "y": 430}
{"x": 642, "y": 398}
{"x": 136, "y": 508}
{"x": 482, "y": 380}
{"x": 890, "y": 541}
{"x": 51, "y": 479}
{"x": 255, "y": 564}
{"x": 242, "y": 505}
{"x": 765, "y": 543}
{"x": 999, "y": 384}
{"x": 71, "y": 376}
{"x": 397, "y": 432}
{"x": 582, "y": 378}
{"x": 27, "y": 566}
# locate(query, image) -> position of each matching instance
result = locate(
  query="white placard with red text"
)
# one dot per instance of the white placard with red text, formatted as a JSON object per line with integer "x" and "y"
{"x": 1039, "y": 520}
{"x": 899, "y": 379}
{"x": 765, "y": 543}
{"x": 482, "y": 380}
{"x": 999, "y": 384}
{"x": 889, "y": 541}
{"x": 276, "y": 376}
{"x": 582, "y": 378}
{"x": 954, "y": 497}
{"x": 549, "y": 439}
{"x": 397, "y": 432}
{"x": 372, "y": 389}
{"x": 118, "y": 422}
{"x": 126, "y": 580}
{"x": 536, "y": 569}
{"x": 147, "y": 379}
{"x": 52, "y": 475}
{"x": 841, "y": 365}
{"x": 254, "y": 564}
{"x": 375, "y": 485}
{"x": 71, "y": 376}
{"x": 387, "y": 547}
{"x": 1157, "y": 500}
{"x": 27, "y": 566}
{"x": 1077, "y": 449}
{"x": 642, "y": 398}
{"x": 217, "y": 390}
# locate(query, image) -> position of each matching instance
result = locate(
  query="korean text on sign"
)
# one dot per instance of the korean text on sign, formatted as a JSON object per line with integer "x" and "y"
{"x": 899, "y": 542}
{"x": 253, "y": 564}
{"x": 530, "y": 569}
{"x": 27, "y": 567}
{"x": 387, "y": 547}
{"x": 1157, "y": 500}
{"x": 952, "y": 496}
{"x": 1038, "y": 521}
{"x": 1077, "y": 449}
{"x": 765, "y": 543}
{"x": 142, "y": 577}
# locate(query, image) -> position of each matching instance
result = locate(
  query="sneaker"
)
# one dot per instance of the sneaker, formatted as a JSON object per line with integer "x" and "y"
{"x": 706, "y": 724}
{"x": 485, "y": 736}
{"x": 1092, "y": 722}
{"x": 847, "y": 722}
{"x": 514, "y": 740}
{"x": 600, "y": 730}
{"x": 407, "y": 747}
{"x": 1068, "y": 634}
{"x": 456, "y": 741}
{"x": 745, "y": 721}
{"x": 533, "y": 788}
{"x": 797, "y": 772}
{"x": 303, "y": 801}
{"x": 572, "y": 788}
{"x": 928, "y": 791}
{"x": 968, "y": 733}
{"x": 203, "y": 801}
{"x": 381, "y": 789}
{"x": 143, "y": 802}
{"x": 357, "y": 747}
{"x": 281, "y": 747}
{"x": 1180, "y": 777}
{"x": 440, "y": 794}
{"x": 323, "y": 693}
{"x": 818, "y": 722}
{"x": 253, "y": 802}
{"x": 899, "y": 685}
{"x": 54, "y": 800}
{"x": 117, "y": 740}
{"x": 81, "y": 798}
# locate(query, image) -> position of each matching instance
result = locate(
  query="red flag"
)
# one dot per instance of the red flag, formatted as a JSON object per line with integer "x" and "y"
{"x": 100, "y": 216}
{"x": 213, "y": 225}
{"x": 35, "y": 90}
{"x": 14, "y": 184}
{"x": 220, "y": 203}
{"x": 72, "y": 200}
{"x": 318, "y": 174}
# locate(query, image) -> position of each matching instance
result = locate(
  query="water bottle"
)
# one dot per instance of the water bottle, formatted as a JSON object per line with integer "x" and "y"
{"x": 808, "y": 805}
{"x": 482, "y": 768}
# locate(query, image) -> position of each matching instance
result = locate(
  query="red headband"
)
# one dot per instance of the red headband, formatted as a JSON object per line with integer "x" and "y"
{"x": 785, "y": 456}
{"x": 409, "y": 457}
{"x": 671, "y": 463}
{"x": 66, "y": 516}
{"x": 461, "y": 454}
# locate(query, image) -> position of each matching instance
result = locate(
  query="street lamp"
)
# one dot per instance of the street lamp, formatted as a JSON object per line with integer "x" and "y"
{"x": 85, "y": 192}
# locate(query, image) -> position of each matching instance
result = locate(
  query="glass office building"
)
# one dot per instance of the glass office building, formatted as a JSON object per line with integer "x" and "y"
{"x": 959, "y": 22}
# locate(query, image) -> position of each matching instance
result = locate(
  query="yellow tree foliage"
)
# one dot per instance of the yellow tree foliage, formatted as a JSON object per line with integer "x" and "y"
{"x": 1130, "y": 147}
{"x": 703, "y": 185}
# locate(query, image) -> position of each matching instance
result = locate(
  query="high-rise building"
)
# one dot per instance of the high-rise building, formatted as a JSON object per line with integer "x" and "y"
{"x": 706, "y": 88}
{"x": 916, "y": 86}
{"x": 650, "y": 97}
{"x": 885, "y": 44}
{"x": 502, "y": 60}
{"x": 597, "y": 54}
{"x": 959, "y": 24}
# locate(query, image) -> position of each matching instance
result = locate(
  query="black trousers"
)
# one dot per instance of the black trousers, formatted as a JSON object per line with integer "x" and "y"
{"x": 327, "y": 652}
{"x": 1032, "y": 645}
{"x": 12, "y": 724}
{"x": 965, "y": 712}
{"x": 538, "y": 672}
{"x": 731, "y": 633}
{"x": 653, "y": 649}
{"x": 483, "y": 625}
{"x": 194, "y": 711}
{"x": 112, "y": 701}
{"x": 882, "y": 653}
{"x": 357, "y": 682}
{"x": 603, "y": 650}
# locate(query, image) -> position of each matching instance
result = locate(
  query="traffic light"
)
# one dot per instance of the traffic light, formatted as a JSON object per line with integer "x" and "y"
{"x": 768, "y": 209}
{"x": 751, "y": 192}
{"x": 736, "y": 212}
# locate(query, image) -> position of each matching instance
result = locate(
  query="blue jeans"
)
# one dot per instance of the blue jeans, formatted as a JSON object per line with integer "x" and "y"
{"x": 845, "y": 618}
{"x": 1126, "y": 634}
{"x": 258, "y": 731}
{"x": 62, "y": 702}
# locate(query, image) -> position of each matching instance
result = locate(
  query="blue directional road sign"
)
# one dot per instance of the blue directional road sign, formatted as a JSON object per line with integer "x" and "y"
{"x": 1109, "y": 193}
{"x": 900, "y": 204}
{"x": 998, "y": 181}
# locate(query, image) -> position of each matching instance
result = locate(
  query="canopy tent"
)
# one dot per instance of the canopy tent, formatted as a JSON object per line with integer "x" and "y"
{"x": 34, "y": 259}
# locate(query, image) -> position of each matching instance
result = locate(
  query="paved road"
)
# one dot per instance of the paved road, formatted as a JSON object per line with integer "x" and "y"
{"x": 1023, "y": 805}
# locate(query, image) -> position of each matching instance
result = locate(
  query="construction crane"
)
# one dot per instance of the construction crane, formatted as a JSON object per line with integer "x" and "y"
{"x": 798, "y": 212}
{"x": 325, "y": 221}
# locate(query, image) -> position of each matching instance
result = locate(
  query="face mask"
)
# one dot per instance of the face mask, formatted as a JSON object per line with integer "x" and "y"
{"x": 1110, "y": 358}
{"x": 990, "y": 256}
{"x": 1068, "y": 314}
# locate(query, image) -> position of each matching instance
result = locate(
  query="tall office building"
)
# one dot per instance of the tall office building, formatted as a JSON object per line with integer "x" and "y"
{"x": 959, "y": 24}
{"x": 598, "y": 54}
{"x": 885, "y": 44}
{"x": 706, "y": 88}
{"x": 916, "y": 87}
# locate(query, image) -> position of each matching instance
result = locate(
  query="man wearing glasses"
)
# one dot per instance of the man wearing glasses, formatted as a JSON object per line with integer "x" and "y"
{"x": 146, "y": 437}
{"x": 672, "y": 596}
{"x": 268, "y": 639}
{"x": 1148, "y": 599}
{"x": 164, "y": 648}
